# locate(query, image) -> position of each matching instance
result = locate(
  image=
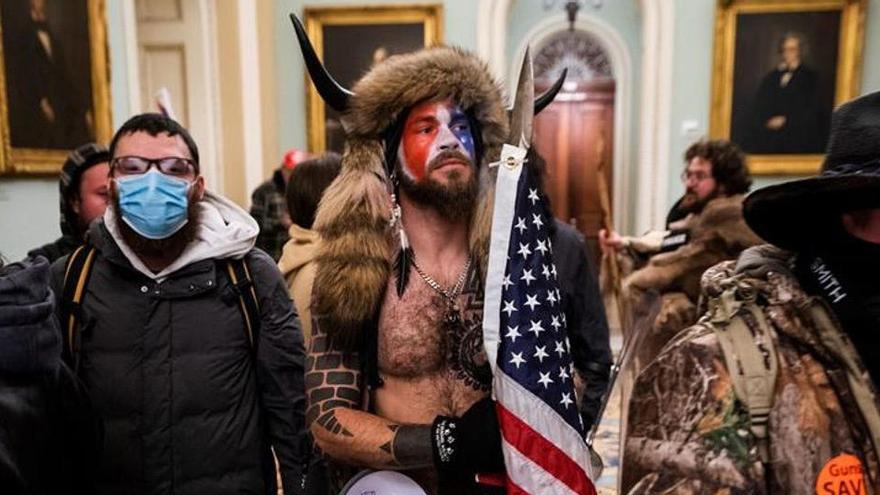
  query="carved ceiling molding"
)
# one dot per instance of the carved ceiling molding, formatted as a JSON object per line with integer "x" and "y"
{"x": 582, "y": 53}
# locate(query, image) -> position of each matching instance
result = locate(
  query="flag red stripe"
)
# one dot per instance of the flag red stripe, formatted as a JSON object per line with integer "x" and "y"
{"x": 543, "y": 452}
{"x": 514, "y": 489}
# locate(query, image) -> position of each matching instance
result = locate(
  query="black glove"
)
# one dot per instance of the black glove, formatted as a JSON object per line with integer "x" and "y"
{"x": 469, "y": 444}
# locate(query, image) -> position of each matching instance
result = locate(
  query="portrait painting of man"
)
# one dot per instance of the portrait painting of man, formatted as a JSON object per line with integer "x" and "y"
{"x": 784, "y": 77}
{"x": 779, "y": 70}
{"x": 47, "y": 69}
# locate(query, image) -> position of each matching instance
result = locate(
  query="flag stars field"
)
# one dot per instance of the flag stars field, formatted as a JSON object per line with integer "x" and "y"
{"x": 517, "y": 359}
{"x": 509, "y": 308}
{"x": 541, "y": 354}
{"x": 525, "y": 251}
{"x": 566, "y": 400}
{"x": 536, "y": 220}
{"x": 533, "y": 196}
{"x": 532, "y": 301}
{"x": 545, "y": 379}
{"x": 536, "y": 327}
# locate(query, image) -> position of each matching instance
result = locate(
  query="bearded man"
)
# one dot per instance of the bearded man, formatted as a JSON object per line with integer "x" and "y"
{"x": 705, "y": 227}
{"x": 397, "y": 377}
{"x": 193, "y": 390}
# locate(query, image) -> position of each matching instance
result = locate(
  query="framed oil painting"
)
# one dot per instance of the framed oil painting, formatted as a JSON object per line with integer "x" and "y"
{"x": 54, "y": 82}
{"x": 350, "y": 40}
{"x": 780, "y": 68}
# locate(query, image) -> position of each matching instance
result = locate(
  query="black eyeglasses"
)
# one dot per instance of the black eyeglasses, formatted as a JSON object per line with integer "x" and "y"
{"x": 169, "y": 165}
{"x": 698, "y": 176}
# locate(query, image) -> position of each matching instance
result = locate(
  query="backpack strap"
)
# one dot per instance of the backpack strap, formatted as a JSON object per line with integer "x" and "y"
{"x": 842, "y": 348}
{"x": 746, "y": 340}
{"x": 76, "y": 277}
{"x": 243, "y": 284}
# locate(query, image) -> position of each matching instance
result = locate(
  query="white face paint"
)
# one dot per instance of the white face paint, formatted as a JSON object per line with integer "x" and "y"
{"x": 432, "y": 128}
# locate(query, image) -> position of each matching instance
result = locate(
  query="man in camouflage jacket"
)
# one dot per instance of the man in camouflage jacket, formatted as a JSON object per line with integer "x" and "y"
{"x": 809, "y": 314}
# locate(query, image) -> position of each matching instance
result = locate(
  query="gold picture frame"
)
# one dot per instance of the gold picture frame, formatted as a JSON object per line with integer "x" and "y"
{"x": 399, "y": 26}
{"x": 32, "y": 147}
{"x": 737, "y": 114}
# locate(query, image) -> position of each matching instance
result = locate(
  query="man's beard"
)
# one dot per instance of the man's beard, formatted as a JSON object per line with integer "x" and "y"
{"x": 142, "y": 246}
{"x": 691, "y": 203}
{"x": 454, "y": 200}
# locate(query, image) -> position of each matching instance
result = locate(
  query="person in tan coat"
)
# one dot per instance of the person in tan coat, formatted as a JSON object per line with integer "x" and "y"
{"x": 307, "y": 184}
{"x": 709, "y": 228}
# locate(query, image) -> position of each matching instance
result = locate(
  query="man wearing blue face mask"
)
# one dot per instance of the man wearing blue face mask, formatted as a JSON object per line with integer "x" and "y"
{"x": 183, "y": 333}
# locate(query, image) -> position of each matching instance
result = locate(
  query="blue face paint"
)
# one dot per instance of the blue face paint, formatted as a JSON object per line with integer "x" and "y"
{"x": 461, "y": 128}
{"x": 153, "y": 204}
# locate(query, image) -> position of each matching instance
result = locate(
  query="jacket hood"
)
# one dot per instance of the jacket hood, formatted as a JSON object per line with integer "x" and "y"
{"x": 29, "y": 336}
{"x": 300, "y": 249}
{"x": 225, "y": 231}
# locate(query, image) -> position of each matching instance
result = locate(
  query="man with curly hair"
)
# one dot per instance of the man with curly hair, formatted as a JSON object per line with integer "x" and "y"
{"x": 704, "y": 227}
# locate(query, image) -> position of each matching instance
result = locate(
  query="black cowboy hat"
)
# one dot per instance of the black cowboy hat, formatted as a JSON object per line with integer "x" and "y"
{"x": 792, "y": 215}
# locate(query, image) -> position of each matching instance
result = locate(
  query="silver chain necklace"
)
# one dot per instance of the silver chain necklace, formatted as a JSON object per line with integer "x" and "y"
{"x": 450, "y": 295}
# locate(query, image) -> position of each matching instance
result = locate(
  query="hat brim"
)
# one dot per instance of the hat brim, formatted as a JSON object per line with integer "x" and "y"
{"x": 792, "y": 214}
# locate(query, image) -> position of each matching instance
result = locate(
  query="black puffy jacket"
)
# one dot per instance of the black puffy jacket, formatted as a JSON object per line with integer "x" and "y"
{"x": 186, "y": 407}
{"x": 48, "y": 438}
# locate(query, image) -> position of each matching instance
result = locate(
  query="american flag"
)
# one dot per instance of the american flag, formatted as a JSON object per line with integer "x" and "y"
{"x": 526, "y": 340}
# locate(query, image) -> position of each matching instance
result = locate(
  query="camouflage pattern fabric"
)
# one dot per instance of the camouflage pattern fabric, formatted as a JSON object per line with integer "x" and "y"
{"x": 688, "y": 433}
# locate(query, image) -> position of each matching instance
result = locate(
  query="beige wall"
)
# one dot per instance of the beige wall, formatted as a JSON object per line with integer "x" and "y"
{"x": 231, "y": 116}
{"x": 268, "y": 86}
{"x": 232, "y": 53}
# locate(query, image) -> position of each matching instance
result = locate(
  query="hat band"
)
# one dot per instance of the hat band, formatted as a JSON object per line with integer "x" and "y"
{"x": 871, "y": 167}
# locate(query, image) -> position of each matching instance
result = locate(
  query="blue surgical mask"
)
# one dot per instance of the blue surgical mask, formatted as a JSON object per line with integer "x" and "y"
{"x": 153, "y": 204}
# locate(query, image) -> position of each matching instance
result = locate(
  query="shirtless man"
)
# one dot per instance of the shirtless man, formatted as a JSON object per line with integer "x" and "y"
{"x": 397, "y": 377}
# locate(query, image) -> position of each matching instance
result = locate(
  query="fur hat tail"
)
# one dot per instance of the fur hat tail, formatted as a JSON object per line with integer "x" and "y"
{"x": 353, "y": 220}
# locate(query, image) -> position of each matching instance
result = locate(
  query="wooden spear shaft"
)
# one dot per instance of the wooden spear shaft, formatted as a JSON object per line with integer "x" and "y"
{"x": 608, "y": 225}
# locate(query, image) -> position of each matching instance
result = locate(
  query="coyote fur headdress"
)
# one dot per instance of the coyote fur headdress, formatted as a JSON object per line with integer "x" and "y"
{"x": 355, "y": 215}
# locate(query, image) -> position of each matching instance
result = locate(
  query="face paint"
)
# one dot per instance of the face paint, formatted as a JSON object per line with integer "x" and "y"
{"x": 432, "y": 128}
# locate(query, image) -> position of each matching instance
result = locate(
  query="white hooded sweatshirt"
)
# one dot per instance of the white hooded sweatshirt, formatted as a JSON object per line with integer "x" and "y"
{"x": 225, "y": 231}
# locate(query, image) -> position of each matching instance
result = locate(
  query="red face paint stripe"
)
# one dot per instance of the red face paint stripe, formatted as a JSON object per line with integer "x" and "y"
{"x": 416, "y": 144}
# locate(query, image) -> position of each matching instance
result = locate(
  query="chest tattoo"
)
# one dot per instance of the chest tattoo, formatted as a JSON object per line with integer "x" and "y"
{"x": 463, "y": 340}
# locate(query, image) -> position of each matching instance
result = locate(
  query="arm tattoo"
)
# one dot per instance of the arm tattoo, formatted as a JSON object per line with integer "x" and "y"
{"x": 342, "y": 430}
{"x": 331, "y": 382}
{"x": 329, "y": 422}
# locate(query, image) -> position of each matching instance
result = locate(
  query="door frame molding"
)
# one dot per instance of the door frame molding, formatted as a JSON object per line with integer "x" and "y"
{"x": 210, "y": 143}
{"x": 621, "y": 65}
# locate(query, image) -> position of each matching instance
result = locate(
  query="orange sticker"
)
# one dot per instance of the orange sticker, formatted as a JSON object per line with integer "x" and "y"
{"x": 842, "y": 475}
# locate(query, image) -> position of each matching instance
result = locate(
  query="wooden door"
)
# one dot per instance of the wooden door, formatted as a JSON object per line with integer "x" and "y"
{"x": 574, "y": 135}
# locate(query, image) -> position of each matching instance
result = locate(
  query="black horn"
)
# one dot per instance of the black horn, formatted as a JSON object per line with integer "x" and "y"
{"x": 331, "y": 91}
{"x": 545, "y": 99}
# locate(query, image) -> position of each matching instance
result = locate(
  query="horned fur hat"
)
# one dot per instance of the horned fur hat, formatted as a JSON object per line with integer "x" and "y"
{"x": 354, "y": 217}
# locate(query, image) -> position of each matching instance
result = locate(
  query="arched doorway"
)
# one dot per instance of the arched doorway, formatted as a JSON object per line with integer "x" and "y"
{"x": 575, "y": 134}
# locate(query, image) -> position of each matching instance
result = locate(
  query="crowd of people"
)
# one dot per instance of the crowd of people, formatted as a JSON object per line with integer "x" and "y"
{"x": 171, "y": 342}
